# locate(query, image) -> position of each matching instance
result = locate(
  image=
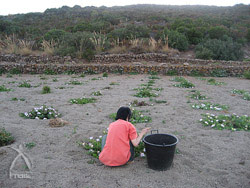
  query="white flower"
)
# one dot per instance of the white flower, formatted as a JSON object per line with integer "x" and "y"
{"x": 142, "y": 155}
{"x": 144, "y": 149}
{"x": 222, "y": 125}
{"x": 91, "y": 137}
{"x": 213, "y": 125}
{"x": 44, "y": 118}
{"x": 206, "y": 122}
{"x": 26, "y": 114}
{"x": 38, "y": 113}
{"x": 100, "y": 136}
{"x": 36, "y": 117}
{"x": 201, "y": 119}
{"x": 141, "y": 115}
{"x": 97, "y": 139}
{"x": 83, "y": 144}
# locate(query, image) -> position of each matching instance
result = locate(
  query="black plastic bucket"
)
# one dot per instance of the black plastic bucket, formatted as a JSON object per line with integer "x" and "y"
{"x": 160, "y": 150}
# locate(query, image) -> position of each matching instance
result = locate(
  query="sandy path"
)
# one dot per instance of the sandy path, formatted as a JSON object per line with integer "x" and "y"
{"x": 207, "y": 158}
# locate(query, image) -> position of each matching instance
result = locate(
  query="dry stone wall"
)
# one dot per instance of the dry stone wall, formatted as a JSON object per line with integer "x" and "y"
{"x": 124, "y": 63}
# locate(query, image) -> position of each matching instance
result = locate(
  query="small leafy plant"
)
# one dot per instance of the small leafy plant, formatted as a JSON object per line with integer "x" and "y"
{"x": 42, "y": 112}
{"x": 246, "y": 74}
{"x": 30, "y": 145}
{"x": 197, "y": 95}
{"x": 183, "y": 82}
{"x": 3, "y": 88}
{"x": 245, "y": 95}
{"x": 46, "y": 89}
{"x": 16, "y": 99}
{"x": 145, "y": 92}
{"x": 5, "y": 137}
{"x": 105, "y": 74}
{"x": 82, "y": 100}
{"x": 209, "y": 106}
{"x": 114, "y": 83}
{"x": 154, "y": 77}
{"x": 212, "y": 81}
{"x": 97, "y": 93}
{"x": 75, "y": 82}
{"x": 230, "y": 122}
{"x": 25, "y": 84}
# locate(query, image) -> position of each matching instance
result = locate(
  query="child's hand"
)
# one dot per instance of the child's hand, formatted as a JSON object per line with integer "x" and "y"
{"x": 145, "y": 130}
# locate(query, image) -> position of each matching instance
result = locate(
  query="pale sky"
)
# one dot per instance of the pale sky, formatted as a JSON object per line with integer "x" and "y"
{"x": 25, "y": 6}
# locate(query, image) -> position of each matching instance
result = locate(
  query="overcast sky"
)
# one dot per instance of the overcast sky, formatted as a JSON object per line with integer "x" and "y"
{"x": 25, "y": 6}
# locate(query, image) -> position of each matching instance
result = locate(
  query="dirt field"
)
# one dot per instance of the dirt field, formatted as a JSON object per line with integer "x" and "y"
{"x": 206, "y": 158}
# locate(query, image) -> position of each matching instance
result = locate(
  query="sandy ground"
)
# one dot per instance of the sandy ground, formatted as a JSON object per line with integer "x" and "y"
{"x": 206, "y": 158}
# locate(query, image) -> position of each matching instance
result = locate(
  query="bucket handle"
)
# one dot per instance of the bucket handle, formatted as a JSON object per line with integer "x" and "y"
{"x": 155, "y": 130}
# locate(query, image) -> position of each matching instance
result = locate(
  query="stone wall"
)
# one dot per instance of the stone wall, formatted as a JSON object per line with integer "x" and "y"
{"x": 125, "y": 63}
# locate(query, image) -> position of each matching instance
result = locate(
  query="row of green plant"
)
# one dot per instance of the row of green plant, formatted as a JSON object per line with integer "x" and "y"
{"x": 244, "y": 94}
{"x": 5, "y": 137}
{"x": 209, "y": 106}
{"x": 183, "y": 83}
{"x": 231, "y": 122}
{"x": 42, "y": 112}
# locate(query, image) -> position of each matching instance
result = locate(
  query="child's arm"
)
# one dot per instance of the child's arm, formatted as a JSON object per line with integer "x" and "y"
{"x": 136, "y": 141}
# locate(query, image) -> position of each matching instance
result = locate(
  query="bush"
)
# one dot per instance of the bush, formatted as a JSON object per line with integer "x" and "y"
{"x": 219, "y": 50}
{"x": 175, "y": 39}
{"x": 77, "y": 45}
{"x": 247, "y": 74}
{"x": 46, "y": 89}
{"x": 5, "y": 138}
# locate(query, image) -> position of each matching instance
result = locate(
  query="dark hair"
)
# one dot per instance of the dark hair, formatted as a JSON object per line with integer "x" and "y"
{"x": 123, "y": 113}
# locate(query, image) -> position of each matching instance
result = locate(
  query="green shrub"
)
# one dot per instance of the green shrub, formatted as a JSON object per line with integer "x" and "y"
{"x": 175, "y": 39}
{"x": 105, "y": 74}
{"x": 145, "y": 92}
{"x": 5, "y": 138}
{"x": 219, "y": 50}
{"x": 46, "y": 89}
{"x": 25, "y": 84}
{"x": 3, "y": 88}
{"x": 219, "y": 73}
{"x": 171, "y": 72}
{"x": 247, "y": 74}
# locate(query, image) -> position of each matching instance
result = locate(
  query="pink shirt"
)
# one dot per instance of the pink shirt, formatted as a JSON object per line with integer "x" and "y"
{"x": 116, "y": 151}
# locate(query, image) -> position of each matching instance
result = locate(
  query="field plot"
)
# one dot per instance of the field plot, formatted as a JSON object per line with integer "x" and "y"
{"x": 213, "y": 151}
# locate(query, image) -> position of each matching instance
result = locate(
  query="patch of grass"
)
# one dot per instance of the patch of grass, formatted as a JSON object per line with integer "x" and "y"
{"x": 42, "y": 112}
{"x": 196, "y": 73}
{"x": 185, "y": 84}
{"x": 25, "y": 84}
{"x": 145, "y": 92}
{"x": 197, "y": 95}
{"x": 15, "y": 71}
{"x": 49, "y": 72}
{"x": 153, "y": 73}
{"x": 9, "y": 75}
{"x": 5, "y": 138}
{"x": 214, "y": 82}
{"x": 171, "y": 73}
{"x": 95, "y": 79}
{"x": 82, "y": 100}
{"x": 30, "y": 145}
{"x": 97, "y": 93}
{"x": 114, "y": 83}
{"x": 4, "y": 89}
{"x": 133, "y": 73}
{"x": 219, "y": 73}
{"x": 16, "y": 99}
{"x": 75, "y": 82}
{"x": 55, "y": 80}
{"x": 246, "y": 96}
{"x": 209, "y": 106}
{"x": 178, "y": 79}
{"x": 105, "y": 74}
{"x": 246, "y": 74}
{"x": 154, "y": 77}
{"x": 90, "y": 71}
{"x": 230, "y": 122}
{"x": 46, "y": 89}
{"x": 82, "y": 75}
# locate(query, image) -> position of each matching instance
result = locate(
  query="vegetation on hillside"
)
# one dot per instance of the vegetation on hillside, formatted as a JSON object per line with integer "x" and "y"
{"x": 214, "y": 32}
